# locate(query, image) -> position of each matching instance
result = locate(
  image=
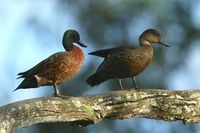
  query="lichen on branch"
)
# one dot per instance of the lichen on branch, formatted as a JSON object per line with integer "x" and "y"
{"x": 149, "y": 103}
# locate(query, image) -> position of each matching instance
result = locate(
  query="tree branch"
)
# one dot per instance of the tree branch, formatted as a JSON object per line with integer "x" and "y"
{"x": 150, "y": 103}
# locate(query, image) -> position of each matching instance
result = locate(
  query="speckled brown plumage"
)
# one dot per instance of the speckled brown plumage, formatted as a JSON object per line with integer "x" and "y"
{"x": 56, "y": 68}
{"x": 125, "y": 61}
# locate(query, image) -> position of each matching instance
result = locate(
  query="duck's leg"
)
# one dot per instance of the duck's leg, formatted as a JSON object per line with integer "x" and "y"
{"x": 135, "y": 83}
{"x": 120, "y": 83}
{"x": 56, "y": 90}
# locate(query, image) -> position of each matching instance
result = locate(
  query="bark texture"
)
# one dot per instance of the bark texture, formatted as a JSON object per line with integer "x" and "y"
{"x": 150, "y": 103}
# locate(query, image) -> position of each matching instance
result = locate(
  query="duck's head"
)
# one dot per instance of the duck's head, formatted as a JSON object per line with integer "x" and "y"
{"x": 70, "y": 37}
{"x": 149, "y": 37}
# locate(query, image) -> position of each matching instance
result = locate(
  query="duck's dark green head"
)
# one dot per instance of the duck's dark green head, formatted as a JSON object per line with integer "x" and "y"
{"x": 70, "y": 37}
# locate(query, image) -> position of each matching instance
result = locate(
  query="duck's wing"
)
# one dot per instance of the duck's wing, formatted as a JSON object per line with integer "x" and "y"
{"x": 106, "y": 52}
{"x": 31, "y": 72}
{"x": 38, "y": 68}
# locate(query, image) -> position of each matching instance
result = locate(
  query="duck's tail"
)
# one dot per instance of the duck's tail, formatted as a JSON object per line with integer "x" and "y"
{"x": 30, "y": 82}
{"x": 96, "y": 79}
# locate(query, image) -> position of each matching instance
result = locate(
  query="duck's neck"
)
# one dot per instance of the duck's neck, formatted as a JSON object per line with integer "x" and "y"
{"x": 144, "y": 43}
{"x": 68, "y": 46}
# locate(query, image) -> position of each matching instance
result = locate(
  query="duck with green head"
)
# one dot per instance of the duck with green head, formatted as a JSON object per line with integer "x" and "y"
{"x": 56, "y": 68}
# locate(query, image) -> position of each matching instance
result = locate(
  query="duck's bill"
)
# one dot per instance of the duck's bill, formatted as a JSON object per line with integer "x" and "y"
{"x": 164, "y": 44}
{"x": 81, "y": 44}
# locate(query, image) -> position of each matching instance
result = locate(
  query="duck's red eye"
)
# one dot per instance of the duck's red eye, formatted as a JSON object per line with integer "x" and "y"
{"x": 73, "y": 39}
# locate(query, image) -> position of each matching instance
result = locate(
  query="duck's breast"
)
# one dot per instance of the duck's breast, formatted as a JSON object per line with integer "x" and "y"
{"x": 72, "y": 63}
{"x": 62, "y": 65}
{"x": 139, "y": 60}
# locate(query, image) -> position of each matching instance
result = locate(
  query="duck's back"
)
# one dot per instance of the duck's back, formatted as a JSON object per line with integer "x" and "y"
{"x": 106, "y": 52}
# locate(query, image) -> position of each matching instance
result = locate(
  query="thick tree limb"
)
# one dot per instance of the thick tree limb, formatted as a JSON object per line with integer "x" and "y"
{"x": 149, "y": 103}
